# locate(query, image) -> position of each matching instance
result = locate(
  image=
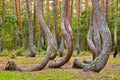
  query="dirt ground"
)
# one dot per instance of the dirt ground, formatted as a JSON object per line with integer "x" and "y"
{"x": 109, "y": 66}
{"x": 106, "y": 73}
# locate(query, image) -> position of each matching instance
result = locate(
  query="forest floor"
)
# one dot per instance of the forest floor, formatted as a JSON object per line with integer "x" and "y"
{"x": 66, "y": 72}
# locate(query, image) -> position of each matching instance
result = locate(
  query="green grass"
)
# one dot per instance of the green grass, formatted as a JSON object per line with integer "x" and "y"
{"x": 39, "y": 75}
{"x": 110, "y": 72}
{"x": 114, "y": 60}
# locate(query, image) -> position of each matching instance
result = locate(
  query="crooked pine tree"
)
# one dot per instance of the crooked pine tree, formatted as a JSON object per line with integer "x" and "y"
{"x": 100, "y": 50}
{"x": 11, "y": 65}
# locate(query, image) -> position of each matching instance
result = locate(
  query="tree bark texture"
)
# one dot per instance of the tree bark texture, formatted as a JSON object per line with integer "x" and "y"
{"x": 67, "y": 35}
{"x": 100, "y": 60}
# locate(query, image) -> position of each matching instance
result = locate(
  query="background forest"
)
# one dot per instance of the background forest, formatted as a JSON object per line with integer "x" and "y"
{"x": 12, "y": 31}
{"x": 54, "y": 33}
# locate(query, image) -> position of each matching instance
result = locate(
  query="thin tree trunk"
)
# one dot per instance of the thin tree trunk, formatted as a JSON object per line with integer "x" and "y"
{"x": 78, "y": 30}
{"x": 3, "y": 24}
{"x": 115, "y": 31}
{"x": 18, "y": 4}
{"x": 37, "y": 24}
{"x": 86, "y": 8}
{"x": 29, "y": 21}
{"x": 54, "y": 28}
{"x": 71, "y": 11}
{"x": 61, "y": 47}
{"x": 27, "y": 35}
{"x": 43, "y": 33}
{"x": 107, "y": 9}
{"x": 20, "y": 22}
{"x": 48, "y": 12}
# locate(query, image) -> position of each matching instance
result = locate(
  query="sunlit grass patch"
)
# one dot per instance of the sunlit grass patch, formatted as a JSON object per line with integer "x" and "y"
{"x": 114, "y": 60}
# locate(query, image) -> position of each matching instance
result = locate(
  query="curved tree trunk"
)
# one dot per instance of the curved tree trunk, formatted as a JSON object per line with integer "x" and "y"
{"x": 32, "y": 54}
{"x": 101, "y": 60}
{"x": 11, "y": 65}
{"x": 115, "y": 31}
{"x": 67, "y": 34}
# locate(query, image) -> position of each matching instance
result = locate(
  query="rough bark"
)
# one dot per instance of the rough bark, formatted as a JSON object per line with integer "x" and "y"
{"x": 103, "y": 5}
{"x": 11, "y": 65}
{"x": 29, "y": 21}
{"x": 67, "y": 34}
{"x": 115, "y": 31}
{"x": 100, "y": 61}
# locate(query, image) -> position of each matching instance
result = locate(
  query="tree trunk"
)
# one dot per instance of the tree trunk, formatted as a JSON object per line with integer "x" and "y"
{"x": 29, "y": 21}
{"x": 54, "y": 29}
{"x": 61, "y": 47}
{"x": 19, "y": 19}
{"x": 71, "y": 11}
{"x": 3, "y": 24}
{"x": 48, "y": 12}
{"x": 43, "y": 33}
{"x": 107, "y": 9}
{"x": 37, "y": 24}
{"x": 67, "y": 34}
{"x": 20, "y": 22}
{"x": 78, "y": 30}
{"x": 27, "y": 36}
{"x": 115, "y": 31}
{"x": 103, "y": 6}
{"x": 101, "y": 60}
{"x": 11, "y": 65}
{"x": 87, "y": 12}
